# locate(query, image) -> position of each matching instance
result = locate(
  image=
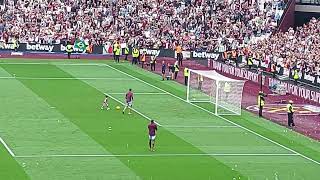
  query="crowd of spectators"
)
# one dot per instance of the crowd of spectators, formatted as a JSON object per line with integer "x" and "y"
{"x": 294, "y": 49}
{"x": 195, "y": 24}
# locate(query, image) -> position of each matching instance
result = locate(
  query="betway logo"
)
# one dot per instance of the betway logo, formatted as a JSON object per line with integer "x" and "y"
{"x": 205, "y": 55}
{"x": 40, "y": 47}
{"x": 6, "y": 46}
{"x": 64, "y": 48}
{"x": 150, "y": 52}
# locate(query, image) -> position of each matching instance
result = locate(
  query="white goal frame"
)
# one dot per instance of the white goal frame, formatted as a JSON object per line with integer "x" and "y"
{"x": 214, "y": 92}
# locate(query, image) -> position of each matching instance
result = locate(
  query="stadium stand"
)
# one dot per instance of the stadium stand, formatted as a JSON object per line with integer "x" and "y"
{"x": 294, "y": 49}
{"x": 196, "y": 24}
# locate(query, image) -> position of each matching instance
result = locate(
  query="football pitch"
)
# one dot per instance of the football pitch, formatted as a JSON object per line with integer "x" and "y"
{"x": 51, "y": 127}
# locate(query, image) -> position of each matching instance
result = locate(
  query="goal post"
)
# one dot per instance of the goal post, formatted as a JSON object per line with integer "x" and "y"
{"x": 209, "y": 86}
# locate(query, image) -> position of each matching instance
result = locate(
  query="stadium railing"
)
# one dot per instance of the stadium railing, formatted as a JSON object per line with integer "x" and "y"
{"x": 308, "y": 2}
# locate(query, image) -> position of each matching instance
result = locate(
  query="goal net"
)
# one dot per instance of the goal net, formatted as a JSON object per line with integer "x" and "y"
{"x": 209, "y": 86}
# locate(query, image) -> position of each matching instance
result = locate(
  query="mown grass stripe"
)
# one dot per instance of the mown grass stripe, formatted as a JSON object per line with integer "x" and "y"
{"x": 80, "y": 103}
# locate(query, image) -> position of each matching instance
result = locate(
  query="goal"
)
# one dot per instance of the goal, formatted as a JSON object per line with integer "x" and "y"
{"x": 211, "y": 87}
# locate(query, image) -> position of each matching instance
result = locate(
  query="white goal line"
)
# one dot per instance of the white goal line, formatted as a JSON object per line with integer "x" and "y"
{"x": 141, "y": 114}
{"x": 155, "y": 155}
{"x": 68, "y": 78}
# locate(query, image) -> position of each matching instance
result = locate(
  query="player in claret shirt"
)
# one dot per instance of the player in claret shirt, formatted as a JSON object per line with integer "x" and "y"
{"x": 129, "y": 100}
{"x": 152, "y": 127}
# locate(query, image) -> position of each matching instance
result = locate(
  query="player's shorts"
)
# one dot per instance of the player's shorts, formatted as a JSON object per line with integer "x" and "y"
{"x": 163, "y": 71}
{"x": 152, "y": 137}
{"x": 129, "y": 103}
{"x": 104, "y": 104}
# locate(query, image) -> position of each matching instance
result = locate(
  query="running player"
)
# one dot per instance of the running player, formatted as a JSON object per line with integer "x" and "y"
{"x": 152, "y": 127}
{"x": 129, "y": 100}
{"x": 105, "y": 104}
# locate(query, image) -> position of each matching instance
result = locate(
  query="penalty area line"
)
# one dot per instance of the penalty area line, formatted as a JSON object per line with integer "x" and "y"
{"x": 153, "y": 155}
{"x": 141, "y": 114}
{"x": 7, "y": 147}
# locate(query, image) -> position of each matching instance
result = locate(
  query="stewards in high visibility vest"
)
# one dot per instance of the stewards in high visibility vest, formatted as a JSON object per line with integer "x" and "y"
{"x": 135, "y": 55}
{"x": 117, "y": 53}
{"x": 176, "y": 69}
{"x": 126, "y": 52}
{"x": 186, "y": 75}
{"x": 261, "y": 102}
{"x": 69, "y": 50}
{"x": 143, "y": 58}
{"x": 250, "y": 61}
{"x": 15, "y": 44}
{"x": 296, "y": 76}
{"x": 179, "y": 54}
{"x": 290, "y": 114}
{"x": 114, "y": 49}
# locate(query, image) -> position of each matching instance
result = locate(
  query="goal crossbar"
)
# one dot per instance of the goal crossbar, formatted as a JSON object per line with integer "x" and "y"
{"x": 210, "y": 86}
{"x": 214, "y": 75}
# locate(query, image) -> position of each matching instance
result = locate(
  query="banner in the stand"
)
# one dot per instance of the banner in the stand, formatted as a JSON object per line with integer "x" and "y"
{"x": 237, "y": 72}
{"x": 301, "y": 91}
{"x": 107, "y": 48}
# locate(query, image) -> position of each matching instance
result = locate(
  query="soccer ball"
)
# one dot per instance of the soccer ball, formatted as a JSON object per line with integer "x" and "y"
{"x": 118, "y": 108}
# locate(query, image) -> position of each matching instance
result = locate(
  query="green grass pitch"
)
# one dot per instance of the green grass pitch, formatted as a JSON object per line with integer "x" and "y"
{"x": 51, "y": 127}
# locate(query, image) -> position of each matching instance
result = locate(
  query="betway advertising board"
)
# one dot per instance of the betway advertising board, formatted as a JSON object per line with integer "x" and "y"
{"x": 39, "y": 47}
{"x": 6, "y": 46}
{"x": 151, "y": 52}
{"x": 50, "y": 48}
{"x": 205, "y": 58}
{"x": 47, "y": 48}
{"x": 158, "y": 52}
{"x": 205, "y": 55}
